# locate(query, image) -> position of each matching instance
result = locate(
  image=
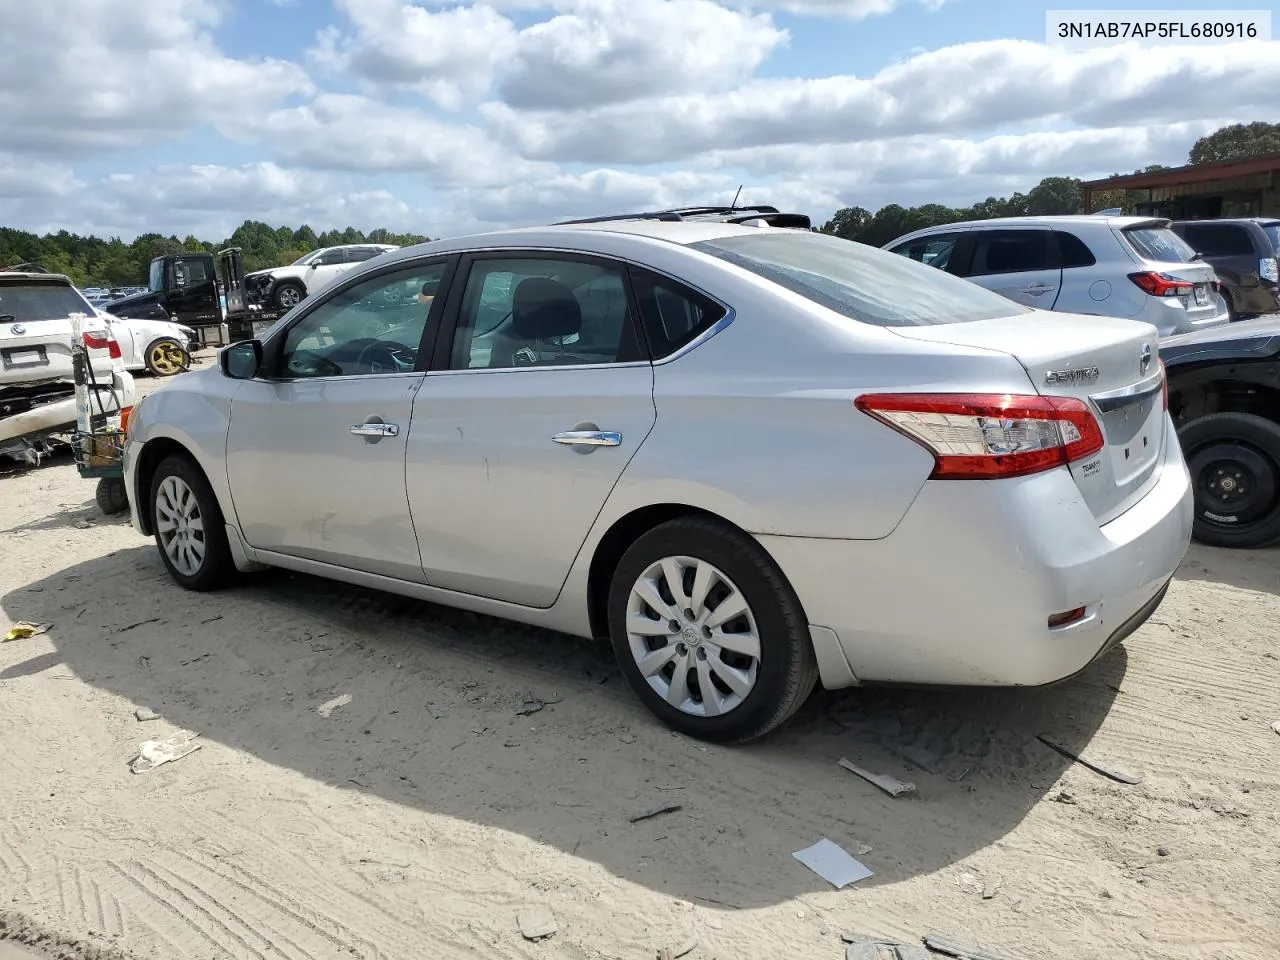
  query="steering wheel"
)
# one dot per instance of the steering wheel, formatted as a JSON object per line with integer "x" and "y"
{"x": 384, "y": 356}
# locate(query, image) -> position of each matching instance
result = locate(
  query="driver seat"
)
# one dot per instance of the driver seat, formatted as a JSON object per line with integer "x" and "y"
{"x": 541, "y": 309}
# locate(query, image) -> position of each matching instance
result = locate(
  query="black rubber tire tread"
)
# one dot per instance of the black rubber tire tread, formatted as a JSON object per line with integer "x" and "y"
{"x": 788, "y": 668}
{"x": 1255, "y": 431}
{"x": 275, "y": 293}
{"x": 111, "y": 496}
{"x": 152, "y": 370}
{"x": 218, "y": 568}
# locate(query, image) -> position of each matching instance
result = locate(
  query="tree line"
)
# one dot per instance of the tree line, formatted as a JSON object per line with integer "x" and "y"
{"x": 92, "y": 261}
{"x": 1051, "y": 196}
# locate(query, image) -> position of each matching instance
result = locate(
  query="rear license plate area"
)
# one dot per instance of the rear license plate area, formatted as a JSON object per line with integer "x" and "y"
{"x": 1201, "y": 293}
{"x": 1133, "y": 437}
{"x": 16, "y": 358}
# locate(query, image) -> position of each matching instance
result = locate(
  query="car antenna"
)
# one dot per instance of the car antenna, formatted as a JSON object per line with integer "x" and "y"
{"x": 733, "y": 206}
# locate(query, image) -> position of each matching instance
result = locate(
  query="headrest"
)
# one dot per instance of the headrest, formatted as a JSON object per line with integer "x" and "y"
{"x": 543, "y": 308}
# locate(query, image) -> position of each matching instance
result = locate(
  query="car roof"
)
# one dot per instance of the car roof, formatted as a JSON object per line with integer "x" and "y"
{"x": 32, "y": 275}
{"x": 1239, "y": 221}
{"x": 562, "y": 236}
{"x": 1069, "y": 219}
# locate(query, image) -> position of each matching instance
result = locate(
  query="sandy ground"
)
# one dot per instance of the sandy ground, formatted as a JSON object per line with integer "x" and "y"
{"x": 420, "y": 818}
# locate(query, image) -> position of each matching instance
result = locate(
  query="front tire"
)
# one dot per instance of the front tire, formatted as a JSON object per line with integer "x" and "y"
{"x": 1234, "y": 461}
{"x": 189, "y": 528}
{"x": 708, "y": 632}
{"x": 288, "y": 295}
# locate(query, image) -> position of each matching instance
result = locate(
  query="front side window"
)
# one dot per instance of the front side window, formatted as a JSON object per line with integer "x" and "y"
{"x": 544, "y": 311}
{"x": 860, "y": 282}
{"x": 933, "y": 250}
{"x": 374, "y": 327}
{"x": 189, "y": 272}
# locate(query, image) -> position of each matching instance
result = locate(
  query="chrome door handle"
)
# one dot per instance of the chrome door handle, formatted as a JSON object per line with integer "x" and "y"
{"x": 588, "y": 438}
{"x": 376, "y": 429}
{"x": 1037, "y": 288}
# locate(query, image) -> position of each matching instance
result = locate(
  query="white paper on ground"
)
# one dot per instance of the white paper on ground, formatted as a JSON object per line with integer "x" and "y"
{"x": 832, "y": 864}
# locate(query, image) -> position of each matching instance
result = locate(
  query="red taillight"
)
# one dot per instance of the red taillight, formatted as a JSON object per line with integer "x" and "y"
{"x": 1162, "y": 285}
{"x": 103, "y": 341}
{"x": 1067, "y": 617}
{"x": 975, "y": 436}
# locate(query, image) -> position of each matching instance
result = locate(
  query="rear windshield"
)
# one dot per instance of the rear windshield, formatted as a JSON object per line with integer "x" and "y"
{"x": 1159, "y": 243}
{"x": 861, "y": 282}
{"x": 1272, "y": 230}
{"x": 33, "y": 301}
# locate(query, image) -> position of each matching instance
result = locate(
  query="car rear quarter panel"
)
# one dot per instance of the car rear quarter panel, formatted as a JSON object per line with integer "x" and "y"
{"x": 758, "y": 424}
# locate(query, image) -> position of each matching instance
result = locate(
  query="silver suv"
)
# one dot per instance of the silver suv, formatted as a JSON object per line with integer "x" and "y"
{"x": 1131, "y": 267}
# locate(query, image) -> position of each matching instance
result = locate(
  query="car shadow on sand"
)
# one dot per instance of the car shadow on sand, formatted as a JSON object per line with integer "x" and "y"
{"x": 444, "y": 717}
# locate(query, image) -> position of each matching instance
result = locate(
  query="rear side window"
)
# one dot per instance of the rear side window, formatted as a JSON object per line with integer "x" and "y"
{"x": 1218, "y": 239}
{"x": 1074, "y": 251}
{"x": 860, "y": 282}
{"x": 1011, "y": 251}
{"x": 35, "y": 301}
{"x": 1272, "y": 230}
{"x": 1158, "y": 243}
{"x": 673, "y": 314}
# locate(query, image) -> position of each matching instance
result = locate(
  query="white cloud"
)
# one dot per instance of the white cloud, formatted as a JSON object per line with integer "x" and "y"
{"x": 79, "y": 76}
{"x": 354, "y": 133}
{"x": 610, "y": 51}
{"x": 959, "y": 90}
{"x": 449, "y": 56}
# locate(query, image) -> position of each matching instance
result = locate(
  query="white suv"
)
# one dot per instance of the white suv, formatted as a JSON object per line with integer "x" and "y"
{"x": 283, "y": 288}
{"x": 37, "y": 386}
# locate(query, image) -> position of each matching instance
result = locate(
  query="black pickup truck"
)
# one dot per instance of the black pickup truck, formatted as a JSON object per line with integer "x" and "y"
{"x": 1224, "y": 397}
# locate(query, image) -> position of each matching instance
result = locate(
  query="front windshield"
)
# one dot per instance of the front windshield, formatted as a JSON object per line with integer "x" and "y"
{"x": 860, "y": 282}
{"x": 155, "y": 279}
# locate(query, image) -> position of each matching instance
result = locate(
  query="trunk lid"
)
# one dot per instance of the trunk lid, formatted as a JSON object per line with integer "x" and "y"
{"x": 1099, "y": 360}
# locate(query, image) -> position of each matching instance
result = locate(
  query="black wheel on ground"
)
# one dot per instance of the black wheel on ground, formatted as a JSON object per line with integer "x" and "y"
{"x": 1234, "y": 460}
{"x": 288, "y": 294}
{"x": 111, "y": 495}
{"x": 188, "y": 525}
{"x": 709, "y": 633}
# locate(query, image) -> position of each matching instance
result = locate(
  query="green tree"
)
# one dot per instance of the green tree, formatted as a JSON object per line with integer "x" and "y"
{"x": 1237, "y": 141}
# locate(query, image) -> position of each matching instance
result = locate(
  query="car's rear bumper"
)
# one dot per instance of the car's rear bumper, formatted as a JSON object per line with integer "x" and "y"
{"x": 60, "y": 415}
{"x": 1170, "y": 317}
{"x": 962, "y": 591}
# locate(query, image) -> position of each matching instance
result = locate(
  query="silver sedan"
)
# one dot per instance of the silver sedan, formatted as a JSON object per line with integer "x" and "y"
{"x": 752, "y": 458}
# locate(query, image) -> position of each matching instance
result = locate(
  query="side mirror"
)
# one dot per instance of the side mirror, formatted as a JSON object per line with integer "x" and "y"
{"x": 241, "y": 361}
{"x": 314, "y": 264}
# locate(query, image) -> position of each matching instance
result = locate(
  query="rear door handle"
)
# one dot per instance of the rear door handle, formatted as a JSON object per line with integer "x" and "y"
{"x": 588, "y": 438}
{"x": 376, "y": 429}
{"x": 1037, "y": 288}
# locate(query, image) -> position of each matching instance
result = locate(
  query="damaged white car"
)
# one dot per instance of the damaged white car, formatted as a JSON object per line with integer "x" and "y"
{"x": 37, "y": 379}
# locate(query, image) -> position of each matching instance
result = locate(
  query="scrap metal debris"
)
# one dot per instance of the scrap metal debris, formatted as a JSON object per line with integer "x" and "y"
{"x": 146, "y": 713}
{"x": 532, "y": 705}
{"x": 155, "y": 753}
{"x": 1113, "y": 773}
{"x": 685, "y": 948}
{"x": 25, "y": 629}
{"x": 860, "y": 948}
{"x": 1276, "y": 726}
{"x": 940, "y": 944}
{"x": 832, "y": 864}
{"x": 536, "y": 923}
{"x": 660, "y": 812}
{"x": 326, "y": 709}
{"x": 890, "y": 785}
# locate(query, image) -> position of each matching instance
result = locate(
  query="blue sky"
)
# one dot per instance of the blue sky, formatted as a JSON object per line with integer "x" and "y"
{"x": 440, "y": 116}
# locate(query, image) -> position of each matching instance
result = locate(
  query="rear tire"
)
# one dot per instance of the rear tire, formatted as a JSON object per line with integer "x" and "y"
{"x": 758, "y": 664}
{"x": 189, "y": 528}
{"x": 1234, "y": 461}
